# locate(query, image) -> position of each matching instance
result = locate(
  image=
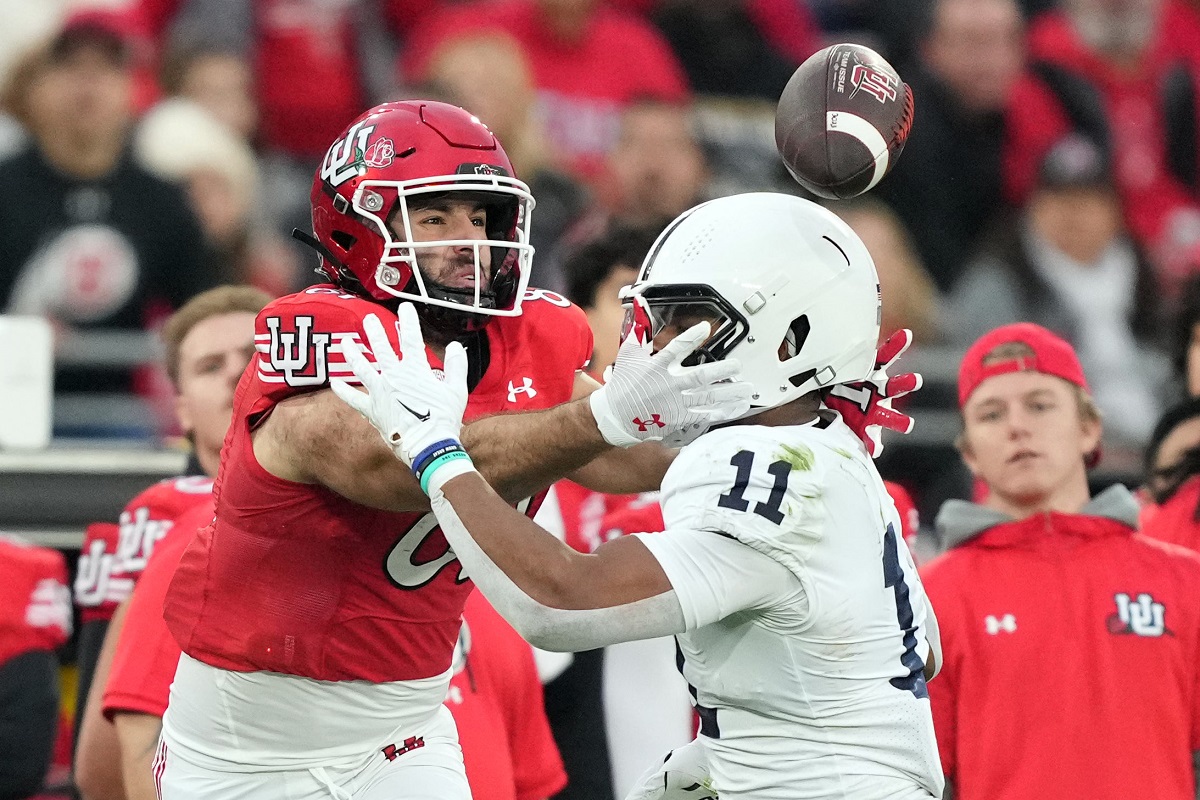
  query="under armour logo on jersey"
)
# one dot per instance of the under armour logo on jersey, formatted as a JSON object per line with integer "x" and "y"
{"x": 1140, "y": 617}
{"x": 301, "y": 356}
{"x": 643, "y": 425}
{"x": 527, "y": 389}
{"x": 391, "y": 751}
{"x": 1006, "y": 623}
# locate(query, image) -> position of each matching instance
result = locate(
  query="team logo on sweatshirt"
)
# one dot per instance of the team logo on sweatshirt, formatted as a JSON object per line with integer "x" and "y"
{"x": 1139, "y": 616}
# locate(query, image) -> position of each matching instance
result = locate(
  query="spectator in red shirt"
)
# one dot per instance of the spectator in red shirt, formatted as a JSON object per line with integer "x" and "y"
{"x": 589, "y": 62}
{"x": 1069, "y": 640}
{"x": 35, "y": 620}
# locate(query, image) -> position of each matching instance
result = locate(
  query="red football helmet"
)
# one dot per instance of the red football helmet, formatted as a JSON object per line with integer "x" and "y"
{"x": 417, "y": 147}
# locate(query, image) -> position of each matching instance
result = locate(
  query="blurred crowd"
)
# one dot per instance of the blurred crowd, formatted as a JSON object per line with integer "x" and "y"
{"x": 154, "y": 149}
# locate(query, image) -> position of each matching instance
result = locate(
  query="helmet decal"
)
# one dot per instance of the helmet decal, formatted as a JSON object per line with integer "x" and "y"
{"x": 345, "y": 157}
{"x": 381, "y": 153}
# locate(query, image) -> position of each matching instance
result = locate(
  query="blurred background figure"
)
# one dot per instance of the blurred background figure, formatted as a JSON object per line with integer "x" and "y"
{"x": 218, "y": 79}
{"x": 1186, "y": 340}
{"x": 910, "y": 298}
{"x": 1171, "y": 492}
{"x": 947, "y": 184}
{"x": 488, "y": 74}
{"x": 589, "y": 60}
{"x": 92, "y": 240}
{"x": 1068, "y": 263}
{"x": 182, "y": 142}
{"x": 658, "y": 169}
{"x": 35, "y": 620}
{"x": 1123, "y": 73}
{"x": 743, "y": 48}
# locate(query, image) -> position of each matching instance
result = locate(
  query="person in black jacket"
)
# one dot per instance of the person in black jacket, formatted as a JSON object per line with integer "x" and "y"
{"x": 90, "y": 239}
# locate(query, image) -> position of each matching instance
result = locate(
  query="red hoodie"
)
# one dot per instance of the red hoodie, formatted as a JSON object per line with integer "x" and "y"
{"x": 1070, "y": 655}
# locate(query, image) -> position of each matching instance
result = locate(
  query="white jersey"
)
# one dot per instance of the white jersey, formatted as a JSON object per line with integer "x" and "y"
{"x": 806, "y": 621}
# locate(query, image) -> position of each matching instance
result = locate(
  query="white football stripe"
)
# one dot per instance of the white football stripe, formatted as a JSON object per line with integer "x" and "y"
{"x": 865, "y": 132}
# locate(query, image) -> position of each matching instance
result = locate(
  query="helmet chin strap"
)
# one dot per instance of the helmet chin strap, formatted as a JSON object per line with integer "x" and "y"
{"x": 452, "y": 322}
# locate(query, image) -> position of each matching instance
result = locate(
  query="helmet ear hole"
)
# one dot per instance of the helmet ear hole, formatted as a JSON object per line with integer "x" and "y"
{"x": 343, "y": 240}
{"x": 793, "y": 342}
{"x": 794, "y": 339}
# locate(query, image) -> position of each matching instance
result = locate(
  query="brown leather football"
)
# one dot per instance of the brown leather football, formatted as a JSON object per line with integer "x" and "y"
{"x": 842, "y": 121}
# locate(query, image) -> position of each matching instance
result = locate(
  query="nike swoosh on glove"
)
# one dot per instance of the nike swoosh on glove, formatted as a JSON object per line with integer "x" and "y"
{"x": 866, "y": 406}
{"x": 652, "y": 397}
{"x": 682, "y": 775}
{"x": 411, "y": 406}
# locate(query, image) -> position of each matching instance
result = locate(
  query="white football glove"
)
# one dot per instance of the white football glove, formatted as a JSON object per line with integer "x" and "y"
{"x": 418, "y": 413}
{"x": 682, "y": 775}
{"x": 652, "y": 398}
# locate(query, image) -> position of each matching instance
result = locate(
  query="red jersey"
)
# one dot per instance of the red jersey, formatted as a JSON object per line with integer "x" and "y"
{"x": 35, "y": 604}
{"x": 910, "y": 521}
{"x": 1069, "y": 642}
{"x": 144, "y": 664}
{"x": 496, "y": 699}
{"x": 1176, "y": 520}
{"x": 294, "y": 578}
{"x": 583, "y": 513}
{"x": 113, "y": 556}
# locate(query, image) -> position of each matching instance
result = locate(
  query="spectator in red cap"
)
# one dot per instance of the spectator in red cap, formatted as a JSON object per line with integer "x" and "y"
{"x": 1070, "y": 665}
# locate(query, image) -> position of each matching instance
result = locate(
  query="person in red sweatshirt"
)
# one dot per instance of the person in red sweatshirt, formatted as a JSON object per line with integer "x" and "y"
{"x": 1070, "y": 665}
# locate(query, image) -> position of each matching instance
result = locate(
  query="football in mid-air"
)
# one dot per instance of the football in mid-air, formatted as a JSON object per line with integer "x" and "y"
{"x": 842, "y": 121}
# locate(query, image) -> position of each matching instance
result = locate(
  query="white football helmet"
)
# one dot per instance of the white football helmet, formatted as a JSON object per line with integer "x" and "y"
{"x": 789, "y": 289}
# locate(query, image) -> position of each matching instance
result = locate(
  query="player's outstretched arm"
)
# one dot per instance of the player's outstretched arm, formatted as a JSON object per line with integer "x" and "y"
{"x": 650, "y": 398}
{"x": 554, "y": 596}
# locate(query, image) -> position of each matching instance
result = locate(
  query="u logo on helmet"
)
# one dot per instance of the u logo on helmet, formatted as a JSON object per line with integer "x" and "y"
{"x": 347, "y": 158}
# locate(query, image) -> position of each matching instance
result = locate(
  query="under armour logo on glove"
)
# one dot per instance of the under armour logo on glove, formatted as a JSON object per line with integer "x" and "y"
{"x": 655, "y": 419}
{"x": 650, "y": 397}
{"x": 866, "y": 406}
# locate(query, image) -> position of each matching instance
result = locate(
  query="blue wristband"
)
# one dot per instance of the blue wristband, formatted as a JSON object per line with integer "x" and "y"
{"x": 441, "y": 461}
{"x": 434, "y": 456}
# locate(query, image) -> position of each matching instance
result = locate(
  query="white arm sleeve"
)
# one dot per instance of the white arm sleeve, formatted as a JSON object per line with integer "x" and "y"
{"x": 714, "y": 575}
{"x": 556, "y": 629}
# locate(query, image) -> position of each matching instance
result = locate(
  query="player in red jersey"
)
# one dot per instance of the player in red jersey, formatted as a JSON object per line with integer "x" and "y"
{"x": 209, "y": 341}
{"x": 35, "y": 620}
{"x": 1050, "y": 601}
{"x": 494, "y": 695}
{"x": 325, "y": 591}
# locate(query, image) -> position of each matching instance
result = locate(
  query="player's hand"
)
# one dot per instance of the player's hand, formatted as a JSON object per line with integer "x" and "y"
{"x": 866, "y": 406}
{"x": 651, "y": 397}
{"x": 418, "y": 412}
{"x": 681, "y": 775}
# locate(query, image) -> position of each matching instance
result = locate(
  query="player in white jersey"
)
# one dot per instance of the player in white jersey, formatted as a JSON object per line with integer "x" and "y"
{"x": 802, "y": 625}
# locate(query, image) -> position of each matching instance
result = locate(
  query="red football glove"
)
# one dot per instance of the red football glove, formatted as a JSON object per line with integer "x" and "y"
{"x": 866, "y": 406}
